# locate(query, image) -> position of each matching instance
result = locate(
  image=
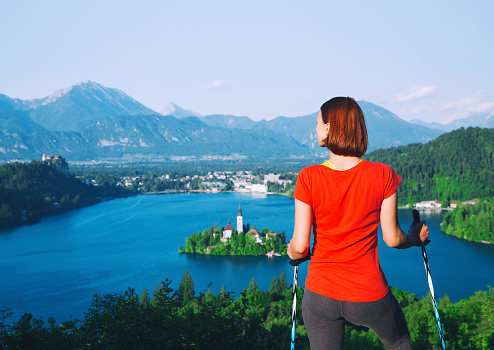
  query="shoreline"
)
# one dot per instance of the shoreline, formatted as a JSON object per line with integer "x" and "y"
{"x": 25, "y": 222}
{"x": 258, "y": 255}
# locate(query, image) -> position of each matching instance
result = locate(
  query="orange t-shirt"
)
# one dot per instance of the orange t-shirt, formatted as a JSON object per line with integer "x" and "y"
{"x": 346, "y": 206}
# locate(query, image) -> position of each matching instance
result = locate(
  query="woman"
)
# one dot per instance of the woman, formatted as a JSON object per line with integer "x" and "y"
{"x": 344, "y": 200}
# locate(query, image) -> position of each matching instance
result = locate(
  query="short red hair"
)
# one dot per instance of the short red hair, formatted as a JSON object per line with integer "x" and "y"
{"x": 347, "y": 134}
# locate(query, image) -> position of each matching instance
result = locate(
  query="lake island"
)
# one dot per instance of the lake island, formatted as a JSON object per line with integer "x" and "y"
{"x": 242, "y": 241}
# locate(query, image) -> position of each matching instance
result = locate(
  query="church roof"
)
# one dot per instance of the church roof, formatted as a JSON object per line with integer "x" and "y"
{"x": 253, "y": 232}
{"x": 229, "y": 226}
{"x": 239, "y": 210}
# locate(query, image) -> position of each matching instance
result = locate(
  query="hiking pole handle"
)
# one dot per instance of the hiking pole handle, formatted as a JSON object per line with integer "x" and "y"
{"x": 416, "y": 217}
{"x": 296, "y": 262}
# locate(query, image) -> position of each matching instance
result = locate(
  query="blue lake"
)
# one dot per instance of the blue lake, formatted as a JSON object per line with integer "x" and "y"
{"x": 53, "y": 268}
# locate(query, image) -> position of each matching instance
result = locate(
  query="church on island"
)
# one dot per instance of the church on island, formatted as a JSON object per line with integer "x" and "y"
{"x": 258, "y": 237}
{"x": 239, "y": 241}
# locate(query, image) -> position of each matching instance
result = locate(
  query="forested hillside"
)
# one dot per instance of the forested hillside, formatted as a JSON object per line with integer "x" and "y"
{"x": 30, "y": 191}
{"x": 256, "y": 319}
{"x": 455, "y": 166}
{"x": 471, "y": 222}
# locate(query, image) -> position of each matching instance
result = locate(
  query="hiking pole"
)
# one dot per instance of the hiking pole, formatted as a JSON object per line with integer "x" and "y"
{"x": 294, "y": 307}
{"x": 295, "y": 263}
{"x": 416, "y": 220}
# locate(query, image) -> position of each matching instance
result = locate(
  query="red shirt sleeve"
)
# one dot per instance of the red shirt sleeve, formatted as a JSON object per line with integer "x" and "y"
{"x": 391, "y": 181}
{"x": 302, "y": 188}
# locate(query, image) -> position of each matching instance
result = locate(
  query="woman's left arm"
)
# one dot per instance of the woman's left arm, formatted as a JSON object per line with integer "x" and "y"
{"x": 300, "y": 243}
{"x": 393, "y": 235}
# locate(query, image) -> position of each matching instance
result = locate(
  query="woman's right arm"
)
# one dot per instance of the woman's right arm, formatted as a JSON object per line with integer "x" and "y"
{"x": 393, "y": 234}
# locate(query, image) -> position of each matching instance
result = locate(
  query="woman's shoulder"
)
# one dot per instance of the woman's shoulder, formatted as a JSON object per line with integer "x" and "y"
{"x": 311, "y": 169}
{"x": 377, "y": 165}
{"x": 379, "y": 169}
{"x": 310, "y": 172}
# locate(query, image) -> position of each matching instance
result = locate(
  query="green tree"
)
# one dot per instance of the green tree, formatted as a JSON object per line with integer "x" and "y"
{"x": 185, "y": 289}
{"x": 156, "y": 295}
{"x": 256, "y": 320}
{"x": 252, "y": 286}
{"x": 275, "y": 286}
{"x": 5, "y": 214}
{"x": 223, "y": 293}
{"x": 145, "y": 300}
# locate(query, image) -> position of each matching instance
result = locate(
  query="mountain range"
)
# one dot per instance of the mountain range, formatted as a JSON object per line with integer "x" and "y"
{"x": 88, "y": 121}
{"x": 483, "y": 120}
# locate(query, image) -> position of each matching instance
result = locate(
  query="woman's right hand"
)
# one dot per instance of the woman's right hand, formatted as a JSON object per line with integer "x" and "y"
{"x": 289, "y": 250}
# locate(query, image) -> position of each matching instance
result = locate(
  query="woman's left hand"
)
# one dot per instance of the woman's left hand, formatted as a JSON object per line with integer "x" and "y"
{"x": 418, "y": 234}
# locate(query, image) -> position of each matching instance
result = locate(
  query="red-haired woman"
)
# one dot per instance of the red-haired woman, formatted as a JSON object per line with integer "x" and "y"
{"x": 344, "y": 200}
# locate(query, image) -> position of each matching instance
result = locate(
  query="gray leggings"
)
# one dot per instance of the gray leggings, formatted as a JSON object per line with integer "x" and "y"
{"x": 324, "y": 320}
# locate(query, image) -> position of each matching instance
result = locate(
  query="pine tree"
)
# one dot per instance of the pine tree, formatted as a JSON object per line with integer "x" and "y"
{"x": 283, "y": 282}
{"x": 223, "y": 293}
{"x": 156, "y": 295}
{"x": 145, "y": 301}
{"x": 252, "y": 286}
{"x": 185, "y": 289}
{"x": 275, "y": 287}
{"x": 279, "y": 285}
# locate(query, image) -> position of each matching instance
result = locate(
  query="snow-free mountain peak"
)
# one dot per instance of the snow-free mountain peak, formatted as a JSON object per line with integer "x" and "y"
{"x": 178, "y": 112}
{"x": 76, "y": 107}
{"x": 56, "y": 95}
{"x": 377, "y": 111}
{"x": 482, "y": 120}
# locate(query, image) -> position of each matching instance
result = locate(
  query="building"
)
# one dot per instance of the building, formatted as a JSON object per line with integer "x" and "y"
{"x": 428, "y": 205}
{"x": 271, "y": 178}
{"x": 240, "y": 220}
{"x": 270, "y": 235}
{"x": 258, "y": 188}
{"x": 227, "y": 232}
{"x": 272, "y": 253}
{"x": 256, "y": 235}
{"x": 58, "y": 162}
{"x": 48, "y": 157}
{"x": 470, "y": 202}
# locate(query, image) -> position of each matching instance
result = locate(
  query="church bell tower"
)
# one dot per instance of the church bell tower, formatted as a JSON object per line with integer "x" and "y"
{"x": 240, "y": 220}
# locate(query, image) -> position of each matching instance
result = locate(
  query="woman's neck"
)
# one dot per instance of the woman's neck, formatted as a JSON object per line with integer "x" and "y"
{"x": 343, "y": 163}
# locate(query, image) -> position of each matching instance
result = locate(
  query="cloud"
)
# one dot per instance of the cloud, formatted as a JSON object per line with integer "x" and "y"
{"x": 420, "y": 108}
{"x": 446, "y": 110}
{"x": 465, "y": 107}
{"x": 417, "y": 93}
{"x": 482, "y": 108}
{"x": 463, "y": 103}
{"x": 216, "y": 85}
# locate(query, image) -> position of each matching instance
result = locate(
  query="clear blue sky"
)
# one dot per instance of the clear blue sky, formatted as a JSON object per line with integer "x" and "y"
{"x": 429, "y": 60}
